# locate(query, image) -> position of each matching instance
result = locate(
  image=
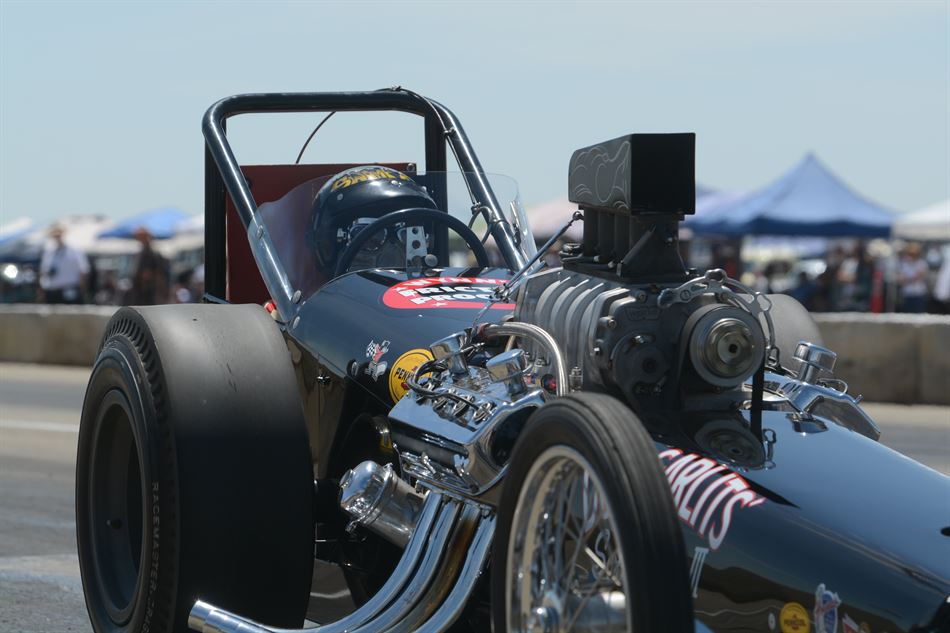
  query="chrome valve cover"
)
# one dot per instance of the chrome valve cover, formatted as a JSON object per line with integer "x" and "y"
{"x": 460, "y": 437}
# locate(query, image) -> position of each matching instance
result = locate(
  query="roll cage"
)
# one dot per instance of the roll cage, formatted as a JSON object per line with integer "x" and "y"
{"x": 226, "y": 182}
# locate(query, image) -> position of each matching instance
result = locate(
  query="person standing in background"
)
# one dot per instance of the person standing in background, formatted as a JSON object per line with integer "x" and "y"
{"x": 63, "y": 271}
{"x": 942, "y": 284}
{"x": 150, "y": 281}
{"x": 913, "y": 280}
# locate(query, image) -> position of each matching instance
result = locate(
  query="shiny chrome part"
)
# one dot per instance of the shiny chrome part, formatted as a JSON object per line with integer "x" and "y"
{"x": 416, "y": 250}
{"x": 726, "y": 344}
{"x": 568, "y": 306}
{"x": 432, "y": 531}
{"x": 429, "y": 571}
{"x": 379, "y": 500}
{"x": 455, "y": 602}
{"x": 540, "y": 337}
{"x": 418, "y": 603}
{"x": 603, "y": 613}
{"x": 449, "y": 350}
{"x": 447, "y": 436}
{"x": 728, "y": 349}
{"x": 566, "y": 568}
{"x": 815, "y": 360}
{"x": 716, "y": 282}
{"x": 509, "y": 368}
{"x": 207, "y": 618}
{"x": 620, "y": 336}
{"x": 819, "y": 400}
{"x": 428, "y": 591}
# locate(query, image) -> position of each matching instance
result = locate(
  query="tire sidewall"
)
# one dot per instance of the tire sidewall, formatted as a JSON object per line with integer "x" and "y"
{"x": 554, "y": 435}
{"x": 118, "y": 371}
{"x": 558, "y": 424}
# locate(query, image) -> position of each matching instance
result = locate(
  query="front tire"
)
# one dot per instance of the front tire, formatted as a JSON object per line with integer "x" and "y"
{"x": 587, "y": 535}
{"x": 193, "y": 476}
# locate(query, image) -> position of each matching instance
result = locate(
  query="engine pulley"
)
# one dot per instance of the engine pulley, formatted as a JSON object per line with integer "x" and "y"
{"x": 725, "y": 344}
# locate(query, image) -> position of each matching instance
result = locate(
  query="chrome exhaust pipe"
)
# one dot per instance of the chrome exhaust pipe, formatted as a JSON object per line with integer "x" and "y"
{"x": 208, "y": 619}
{"x": 431, "y": 585}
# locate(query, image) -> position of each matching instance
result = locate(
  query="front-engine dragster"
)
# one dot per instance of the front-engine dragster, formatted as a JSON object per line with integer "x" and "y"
{"x": 435, "y": 429}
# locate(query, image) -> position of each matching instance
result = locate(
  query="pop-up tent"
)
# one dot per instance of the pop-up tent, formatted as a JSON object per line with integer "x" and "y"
{"x": 161, "y": 223}
{"x": 809, "y": 200}
{"x": 81, "y": 232}
{"x": 929, "y": 223}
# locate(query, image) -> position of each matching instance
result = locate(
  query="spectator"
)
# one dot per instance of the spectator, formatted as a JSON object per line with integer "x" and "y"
{"x": 822, "y": 297}
{"x": 805, "y": 291}
{"x": 182, "y": 290}
{"x": 63, "y": 271}
{"x": 829, "y": 283}
{"x": 855, "y": 277}
{"x": 942, "y": 285}
{"x": 913, "y": 280}
{"x": 150, "y": 280}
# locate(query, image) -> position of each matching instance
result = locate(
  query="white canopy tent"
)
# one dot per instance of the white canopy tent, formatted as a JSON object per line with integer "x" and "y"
{"x": 929, "y": 223}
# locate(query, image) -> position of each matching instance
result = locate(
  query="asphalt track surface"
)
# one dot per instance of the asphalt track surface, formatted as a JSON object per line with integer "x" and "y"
{"x": 40, "y": 588}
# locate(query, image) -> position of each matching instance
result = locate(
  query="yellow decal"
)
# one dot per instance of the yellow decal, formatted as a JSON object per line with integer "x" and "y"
{"x": 403, "y": 368}
{"x": 376, "y": 173}
{"x": 794, "y": 618}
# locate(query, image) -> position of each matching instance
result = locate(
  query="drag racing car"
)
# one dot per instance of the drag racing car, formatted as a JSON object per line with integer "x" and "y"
{"x": 394, "y": 412}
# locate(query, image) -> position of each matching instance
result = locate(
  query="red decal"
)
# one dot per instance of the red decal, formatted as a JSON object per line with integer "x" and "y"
{"x": 444, "y": 292}
{"x": 706, "y": 494}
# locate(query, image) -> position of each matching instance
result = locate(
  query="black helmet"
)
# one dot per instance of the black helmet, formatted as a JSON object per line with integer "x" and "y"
{"x": 370, "y": 191}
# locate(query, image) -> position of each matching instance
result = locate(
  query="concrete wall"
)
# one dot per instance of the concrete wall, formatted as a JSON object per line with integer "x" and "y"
{"x": 891, "y": 357}
{"x": 63, "y": 335}
{"x": 886, "y": 358}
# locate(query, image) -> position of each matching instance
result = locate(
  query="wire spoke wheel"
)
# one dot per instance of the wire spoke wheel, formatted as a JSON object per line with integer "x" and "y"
{"x": 587, "y": 538}
{"x": 566, "y": 572}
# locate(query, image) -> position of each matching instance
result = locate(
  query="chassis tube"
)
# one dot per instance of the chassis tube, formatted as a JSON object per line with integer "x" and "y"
{"x": 437, "y": 117}
{"x": 479, "y": 187}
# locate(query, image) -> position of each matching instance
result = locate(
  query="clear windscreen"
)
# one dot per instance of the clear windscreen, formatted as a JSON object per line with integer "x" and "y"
{"x": 459, "y": 203}
{"x": 296, "y": 233}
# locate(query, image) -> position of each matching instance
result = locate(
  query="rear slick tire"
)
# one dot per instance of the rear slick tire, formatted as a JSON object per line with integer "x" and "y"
{"x": 585, "y": 465}
{"x": 193, "y": 475}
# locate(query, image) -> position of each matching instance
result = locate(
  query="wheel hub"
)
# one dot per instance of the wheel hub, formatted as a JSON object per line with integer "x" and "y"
{"x": 567, "y": 572}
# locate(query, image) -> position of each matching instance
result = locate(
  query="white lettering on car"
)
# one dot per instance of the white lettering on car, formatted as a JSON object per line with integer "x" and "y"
{"x": 706, "y": 492}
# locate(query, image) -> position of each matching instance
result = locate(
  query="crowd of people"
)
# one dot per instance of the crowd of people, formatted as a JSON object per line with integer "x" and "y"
{"x": 911, "y": 279}
{"x": 66, "y": 275}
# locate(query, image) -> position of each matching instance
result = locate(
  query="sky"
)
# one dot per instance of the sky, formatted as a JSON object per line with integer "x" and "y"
{"x": 101, "y": 102}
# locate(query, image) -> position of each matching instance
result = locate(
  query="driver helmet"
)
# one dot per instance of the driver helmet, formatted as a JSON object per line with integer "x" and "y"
{"x": 354, "y": 198}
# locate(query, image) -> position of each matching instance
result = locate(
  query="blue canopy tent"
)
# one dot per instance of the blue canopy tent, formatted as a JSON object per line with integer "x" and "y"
{"x": 161, "y": 223}
{"x": 809, "y": 200}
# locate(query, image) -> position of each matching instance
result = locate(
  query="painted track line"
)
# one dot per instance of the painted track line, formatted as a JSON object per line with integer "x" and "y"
{"x": 28, "y": 425}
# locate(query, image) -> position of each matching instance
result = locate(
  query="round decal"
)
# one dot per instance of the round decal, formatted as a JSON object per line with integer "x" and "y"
{"x": 794, "y": 618}
{"x": 403, "y": 368}
{"x": 444, "y": 292}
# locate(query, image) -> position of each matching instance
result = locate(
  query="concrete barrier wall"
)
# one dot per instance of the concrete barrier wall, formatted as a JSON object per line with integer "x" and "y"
{"x": 62, "y": 335}
{"x": 886, "y": 358}
{"x": 891, "y": 357}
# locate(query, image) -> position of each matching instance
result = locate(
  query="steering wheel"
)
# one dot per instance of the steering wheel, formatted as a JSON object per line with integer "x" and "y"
{"x": 408, "y": 216}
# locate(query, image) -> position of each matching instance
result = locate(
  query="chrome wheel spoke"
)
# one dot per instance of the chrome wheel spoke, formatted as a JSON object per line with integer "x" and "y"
{"x": 567, "y": 572}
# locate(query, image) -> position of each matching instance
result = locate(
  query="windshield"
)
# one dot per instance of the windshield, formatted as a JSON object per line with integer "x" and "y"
{"x": 309, "y": 241}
